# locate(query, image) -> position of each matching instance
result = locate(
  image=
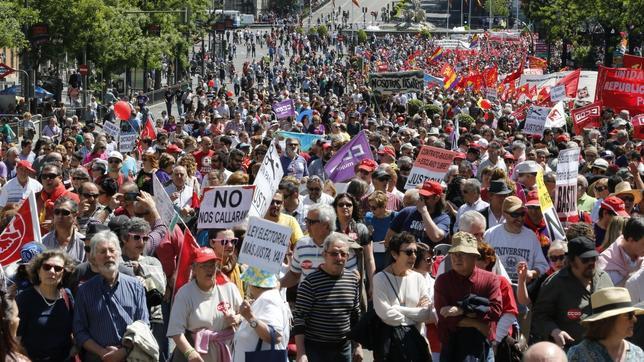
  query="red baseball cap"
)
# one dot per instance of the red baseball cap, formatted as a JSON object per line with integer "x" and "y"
{"x": 532, "y": 199}
{"x": 387, "y": 151}
{"x": 205, "y": 254}
{"x": 431, "y": 188}
{"x": 460, "y": 156}
{"x": 508, "y": 156}
{"x": 616, "y": 205}
{"x": 173, "y": 149}
{"x": 562, "y": 138}
{"x": 367, "y": 165}
{"x": 25, "y": 164}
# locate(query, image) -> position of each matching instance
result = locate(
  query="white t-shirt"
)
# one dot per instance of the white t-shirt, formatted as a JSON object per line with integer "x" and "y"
{"x": 13, "y": 191}
{"x": 635, "y": 286}
{"x": 514, "y": 248}
{"x": 402, "y": 309}
{"x": 270, "y": 309}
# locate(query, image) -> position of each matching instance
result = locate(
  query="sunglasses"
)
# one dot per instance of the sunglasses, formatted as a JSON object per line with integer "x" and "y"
{"x": 517, "y": 214}
{"x": 410, "y": 252}
{"x": 49, "y": 176}
{"x": 90, "y": 195}
{"x": 57, "y": 268}
{"x": 345, "y": 204}
{"x": 311, "y": 221}
{"x": 556, "y": 258}
{"x": 114, "y": 160}
{"x": 336, "y": 254}
{"x": 137, "y": 237}
{"x": 589, "y": 260}
{"x": 225, "y": 242}
{"x": 293, "y": 145}
{"x": 62, "y": 212}
{"x": 600, "y": 188}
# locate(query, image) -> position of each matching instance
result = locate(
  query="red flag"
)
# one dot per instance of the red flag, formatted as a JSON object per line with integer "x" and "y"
{"x": 148, "y": 130}
{"x": 543, "y": 96}
{"x": 514, "y": 75}
{"x": 533, "y": 92}
{"x": 21, "y": 230}
{"x": 633, "y": 61}
{"x": 638, "y": 126}
{"x": 571, "y": 82}
{"x": 536, "y": 62}
{"x": 523, "y": 90}
{"x": 586, "y": 117}
{"x": 195, "y": 202}
{"x": 490, "y": 76}
{"x": 186, "y": 255}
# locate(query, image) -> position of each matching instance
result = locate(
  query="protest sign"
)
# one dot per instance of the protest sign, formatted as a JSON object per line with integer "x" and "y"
{"x": 306, "y": 139}
{"x": 127, "y": 141}
{"x": 268, "y": 178}
{"x": 585, "y": 87}
{"x": 432, "y": 163}
{"x": 265, "y": 245}
{"x": 556, "y": 116}
{"x": 397, "y": 82}
{"x": 225, "y": 206}
{"x": 633, "y": 61}
{"x": 638, "y": 127}
{"x": 491, "y": 94}
{"x": 533, "y": 71}
{"x": 586, "y": 117}
{"x": 621, "y": 88}
{"x": 558, "y": 93}
{"x": 111, "y": 129}
{"x": 535, "y": 120}
{"x": 284, "y": 109}
{"x": 341, "y": 166}
{"x": 165, "y": 207}
{"x": 555, "y": 229}
{"x": 566, "y": 192}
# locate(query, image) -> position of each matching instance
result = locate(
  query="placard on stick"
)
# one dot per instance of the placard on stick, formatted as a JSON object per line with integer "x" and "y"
{"x": 265, "y": 245}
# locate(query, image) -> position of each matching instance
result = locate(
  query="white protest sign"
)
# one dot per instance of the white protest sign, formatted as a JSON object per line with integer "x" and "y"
{"x": 111, "y": 129}
{"x": 556, "y": 116}
{"x": 225, "y": 206}
{"x": 566, "y": 194}
{"x": 491, "y": 94}
{"x": 535, "y": 120}
{"x": 165, "y": 207}
{"x": 558, "y": 93}
{"x": 127, "y": 141}
{"x": 432, "y": 163}
{"x": 265, "y": 245}
{"x": 268, "y": 179}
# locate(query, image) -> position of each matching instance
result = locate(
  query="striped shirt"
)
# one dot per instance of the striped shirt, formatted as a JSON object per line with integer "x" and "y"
{"x": 327, "y": 306}
{"x": 307, "y": 257}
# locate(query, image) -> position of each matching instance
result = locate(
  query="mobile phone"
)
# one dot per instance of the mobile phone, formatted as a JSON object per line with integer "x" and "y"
{"x": 131, "y": 196}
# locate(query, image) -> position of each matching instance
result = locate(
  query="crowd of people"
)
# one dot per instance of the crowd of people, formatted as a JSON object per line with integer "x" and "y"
{"x": 466, "y": 267}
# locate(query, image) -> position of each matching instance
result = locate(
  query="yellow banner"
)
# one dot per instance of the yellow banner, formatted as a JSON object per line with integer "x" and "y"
{"x": 544, "y": 197}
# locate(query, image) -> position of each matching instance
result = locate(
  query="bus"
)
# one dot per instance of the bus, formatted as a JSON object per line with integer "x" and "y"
{"x": 234, "y": 15}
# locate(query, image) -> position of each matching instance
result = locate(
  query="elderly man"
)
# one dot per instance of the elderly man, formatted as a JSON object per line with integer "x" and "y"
{"x": 515, "y": 243}
{"x": 292, "y": 163}
{"x": 564, "y": 298}
{"x": 471, "y": 190}
{"x": 89, "y": 207}
{"x": 99, "y": 326}
{"x": 19, "y": 187}
{"x": 458, "y": 326}
{"x": 64, "y": 235}
{"x": 180, "y": 192}
{"x": 328, "y": 306}
{"x": 585, "y": 202}
{"x": 315, "y": 185}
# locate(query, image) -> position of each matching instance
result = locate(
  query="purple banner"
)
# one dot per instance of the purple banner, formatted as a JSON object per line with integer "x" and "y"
{"x": 341, "y": 166}
{"x": 284, "y": 109}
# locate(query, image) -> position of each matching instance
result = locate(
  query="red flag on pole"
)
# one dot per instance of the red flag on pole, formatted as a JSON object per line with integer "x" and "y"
{"x": 514, "y": 75}
{"x": 186, "y": 255}
{"x": 148, "y": 130}
{"x": 22, "y": 229}
{"x": 571, "y": 82}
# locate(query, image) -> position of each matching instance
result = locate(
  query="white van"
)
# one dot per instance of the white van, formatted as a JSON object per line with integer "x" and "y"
{"x": 247, "y": 19}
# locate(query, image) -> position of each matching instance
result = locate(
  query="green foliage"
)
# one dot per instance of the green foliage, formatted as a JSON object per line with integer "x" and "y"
{"x": 465, "y": 120}
{"x": 362, "y": 36}
{"x": 323, "y": 31}
{"x": 313, "y": 30}
{"x": 499, "y": 7}
{"x": 13, "y": 16}
{"x": 414, "y": 106}
{"x": 431, "y": 109}
{"x": 425, "y": 33}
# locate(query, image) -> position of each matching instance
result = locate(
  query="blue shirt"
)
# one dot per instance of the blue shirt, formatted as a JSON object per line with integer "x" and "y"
{"x": 410, "y": 220}
{"x": 102, "y": 313}
{"x": 296, "y": 167}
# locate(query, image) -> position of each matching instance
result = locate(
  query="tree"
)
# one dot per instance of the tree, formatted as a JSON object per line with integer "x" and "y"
{"x": 13, "y": 17}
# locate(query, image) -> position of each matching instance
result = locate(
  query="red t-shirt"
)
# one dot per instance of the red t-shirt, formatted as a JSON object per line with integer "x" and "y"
{"x": 204, "y": 161}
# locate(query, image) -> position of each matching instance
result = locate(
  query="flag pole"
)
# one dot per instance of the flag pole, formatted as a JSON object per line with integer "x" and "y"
{"x": 33, "y": 211}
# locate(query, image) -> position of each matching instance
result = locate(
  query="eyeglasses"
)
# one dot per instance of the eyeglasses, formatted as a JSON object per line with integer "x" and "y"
{"x": 88, "y": 195}
{"x": 517, "y": 214}
{"x": 345, "y": 204}
{"x": 556, "y": 258}
{"x": 311, "y": 221}
{"x": 293, "y": 145}
{"x": 48, "y": 267}
{"x": 336, "y": 254}
{"x": 225, "y": 242}
{"x": 600, "y": 188}
{"x": 410, "y": 252}
{"x": 277, "y": 202}
{"x": 137, "y": 237}
{"x": 588, "y": 260}
{"x": 62, "y": 212}
{"x": 49, "y": 176}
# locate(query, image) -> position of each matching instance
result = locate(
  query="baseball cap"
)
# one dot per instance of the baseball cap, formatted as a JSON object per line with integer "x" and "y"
{"x": 562, "y": 138}
{"x": 115, "y": 154}
{"x": 533, "y": 198}
{"x": 583, "y": 247}
{"x": 29, "y": 251}
{"x": 367, "y": 165}
{"x": 601, "y": 163}
{"x": 387, "y": 151}
{"x": 380, "y": 175}
{"x": 173, "y": 149}
{"x": 431, "y": 188}
{"x": 205, "y": 254}
{"x": 616, "y": 205}
{"x": 460, "y": 156}
{"x": 512, "y": 204}
{"x": 463, "y": 242}
{"x": 26, "y": 165}
{"x": 528, "y": 167}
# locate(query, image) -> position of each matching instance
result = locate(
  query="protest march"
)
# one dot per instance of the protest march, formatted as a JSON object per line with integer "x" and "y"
{"x": 332, "y": 196}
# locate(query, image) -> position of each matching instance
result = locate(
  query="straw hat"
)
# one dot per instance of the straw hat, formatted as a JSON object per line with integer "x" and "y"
{"x": 609, "y": 302}
{"x": 624, "y": 187}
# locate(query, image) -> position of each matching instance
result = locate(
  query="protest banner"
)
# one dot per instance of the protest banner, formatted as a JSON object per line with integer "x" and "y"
{"x": 558, "y": 93}
{"x": 284, "y": 109}
{"x": 586, "y": 117}
{"x": 555, "y": 229}
{"x": 638, "y": 127}
{"x": 22, "y": 229}
{"x": 585, "y": 87}
{"x": 306, "y": 139}
{"x": 165, "y": 207}
{"x": 308, "y": 113}
{"x": 341, "y": 166}
{"x": 491, "y": 94}
{"x": 111, "y": 129}
{"x": 533, "y": 71}
{"x": 127, "y": 141}
{"x": 621, "y": 88}
{"x": 397, "y": 82}
{"x": 566, "y": 192}
{"x": 265, "y": 245}
{"x": 535, "y": 120}
{"x": 633, "y": 61}
{"x": 432, "y": 163}
{"x": 556, "y": 116}
{"x": 225, "y": 206}
{"x": 268, "y": 179}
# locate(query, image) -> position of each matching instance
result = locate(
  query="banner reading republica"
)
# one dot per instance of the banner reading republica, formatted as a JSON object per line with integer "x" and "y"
{"x": 341, "y": 166}
{"x": 535, "y": 120}
{"x": 268, "y": 178}
{"x": 284, "y": 109}
{"x": 555, "y": 229}
{"x": 111, "y": 129}
{"x": 621, "y": 88}
{"x": 397, "y": 82}
{"x": 432, "y": 163}
{"x": 265, "y": 245}
{"x": 225, "y": 206}
{"x": 566, "y": 194}
{"x": 586, "y": 117}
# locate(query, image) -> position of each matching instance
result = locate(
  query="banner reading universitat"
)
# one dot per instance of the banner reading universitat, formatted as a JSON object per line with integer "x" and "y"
{"x": 432, "y": 163}
{"x": 225, "y": 206}
{"x": 397, "y": 82}
{"x": 621, "y": 88}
